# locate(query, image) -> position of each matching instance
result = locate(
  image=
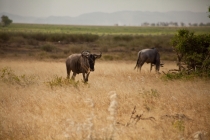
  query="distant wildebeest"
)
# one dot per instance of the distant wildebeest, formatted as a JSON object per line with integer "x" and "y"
{"x": 81, "y": 63}
{"x": 149, "y": 56}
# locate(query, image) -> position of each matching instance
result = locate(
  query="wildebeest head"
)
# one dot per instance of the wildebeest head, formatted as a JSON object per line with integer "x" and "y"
{"x": 92, "y": 58}
{"x": 85, "y": 63}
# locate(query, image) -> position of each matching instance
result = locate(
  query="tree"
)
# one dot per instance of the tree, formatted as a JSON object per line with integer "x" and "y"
{"x": 209, "y": 11}
{"x": 182, "y": 24}
{"x": 5, "y": 20}
{"x": 192, "y": 50}
{"x": 201, "y": 24}
{"x": 152, "y": 24}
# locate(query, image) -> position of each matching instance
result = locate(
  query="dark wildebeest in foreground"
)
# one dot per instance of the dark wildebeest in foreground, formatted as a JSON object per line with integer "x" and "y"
{"x": 149, "y": 56}
{"x": 81, "y": 63}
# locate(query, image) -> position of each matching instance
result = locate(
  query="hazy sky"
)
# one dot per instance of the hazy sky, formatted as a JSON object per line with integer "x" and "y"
{"x": 43, "y": 8}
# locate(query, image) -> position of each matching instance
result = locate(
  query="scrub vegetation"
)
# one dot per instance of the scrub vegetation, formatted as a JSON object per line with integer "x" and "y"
{"x": 118, "y": 102}
{"x": 41, "y": 41}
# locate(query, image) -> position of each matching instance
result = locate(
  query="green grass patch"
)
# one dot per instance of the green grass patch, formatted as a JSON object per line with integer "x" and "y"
{"x": 179, "y": 125}
{"x": 99, "y": 30}
{"x": 48, "y": 48}
{"x": 185, "y": 75}
{"x": 61, "y": 82}
{"x": 8, "y": 76}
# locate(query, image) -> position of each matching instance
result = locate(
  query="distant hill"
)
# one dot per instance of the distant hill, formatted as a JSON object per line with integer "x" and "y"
{"x": 133, "y": 18}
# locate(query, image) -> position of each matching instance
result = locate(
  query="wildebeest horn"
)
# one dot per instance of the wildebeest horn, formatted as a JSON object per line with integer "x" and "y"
{"x": 85, "y": 53}
{"x": 98, "y": 55}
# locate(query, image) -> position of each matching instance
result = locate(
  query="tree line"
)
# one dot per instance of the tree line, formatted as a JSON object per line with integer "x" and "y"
{"x": 175, "y": 24}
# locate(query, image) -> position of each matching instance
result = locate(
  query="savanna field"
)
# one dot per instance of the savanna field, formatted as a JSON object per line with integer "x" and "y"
{"x": 118, "y": 102}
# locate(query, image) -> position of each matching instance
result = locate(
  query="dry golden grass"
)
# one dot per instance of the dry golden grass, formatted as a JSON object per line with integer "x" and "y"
{"x": 102, "y": 108}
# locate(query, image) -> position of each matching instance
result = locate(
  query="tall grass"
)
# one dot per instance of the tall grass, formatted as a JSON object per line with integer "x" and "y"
{"x": 52, "y": 37}
{"x": 117, "y": 43}
{"x": 177, "y": 109}
{"x": 58, "y": 45}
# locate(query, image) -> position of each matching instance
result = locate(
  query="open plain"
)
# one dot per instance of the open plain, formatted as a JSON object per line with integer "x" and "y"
{"x": 118, "y": 102}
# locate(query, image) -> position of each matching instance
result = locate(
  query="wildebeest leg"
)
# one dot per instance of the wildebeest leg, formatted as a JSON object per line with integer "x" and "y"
{"x": 141, "y": 64}
{"x": 137, "y": 64}
{"x": 73, "y": 76}
{"x": 68, "y": 75}
{"x": 83, "y": 74}
{"x": 68, "y": 71}
{"x": 151, "y": 67}
{"x": 85, "y": 78}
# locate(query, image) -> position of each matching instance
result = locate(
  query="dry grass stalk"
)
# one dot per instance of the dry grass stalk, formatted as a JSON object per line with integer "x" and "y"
{"x": 176, "y": 117}
{"x": 90, "y": 124}
{"x": 112, "y": 111}
{"x": 135, "y": 118}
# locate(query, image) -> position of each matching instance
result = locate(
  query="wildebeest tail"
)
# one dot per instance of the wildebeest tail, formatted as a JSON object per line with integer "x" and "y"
{"x": 68, "y": 69}
{"x": 137, "y": 62}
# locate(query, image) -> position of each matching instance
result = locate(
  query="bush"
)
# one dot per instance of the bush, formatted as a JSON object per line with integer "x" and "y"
{"x": 104, "y": 49}
{"x": 71, "y": 37}
{"x": 18, "y": 39}
{"x": 193, "y": 50}
{"x": 4, "y": 36}
{"x": 37, "y": 36}
{"x": 32, "y": 42}
{"x": 108, "y": 57}
{"x": 123, "y": 38}
{"x": 8, "y": 76}
{"x": 179, "y": 75}
{"x": 48, "y": 48}
{"x": 60, "y": 82}
{"x": 76, "y": 49}
{"x": 51, "y": 37}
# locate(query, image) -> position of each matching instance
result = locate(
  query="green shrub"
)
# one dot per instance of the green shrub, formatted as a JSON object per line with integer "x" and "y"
{"x": 4, "y": 36}
{"x": 171, "y": 76}
{"x": 81, "y": 37}
{"x": 60, "y": 82}
{"x": 8, "y": 76}
{"x": 108, "y": 57}
{"x": 53, "y": 56}
{"x": 51, "y": 37}
{"x": 104, "y": 49}
{"x": 66, "y": 51}
{"x": 18, "y": 39}
{"x": 37, "y": 36}
{"x": 56, "y": 37}
{"x": 123, "y": 38}
{"x": 75, "y": 49}
{"x": 150, "y": 97}
{"x": 71, "y": 37}
{"x": 32, "y": 42}
{"x": 179, "y": 125}
{"x": 193, "y": 50}
{"x": 48, "y": 48}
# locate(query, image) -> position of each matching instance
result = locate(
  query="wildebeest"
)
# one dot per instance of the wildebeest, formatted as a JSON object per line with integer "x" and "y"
{"x": 81, "y": 63}
{"x": 149, "y": 56}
